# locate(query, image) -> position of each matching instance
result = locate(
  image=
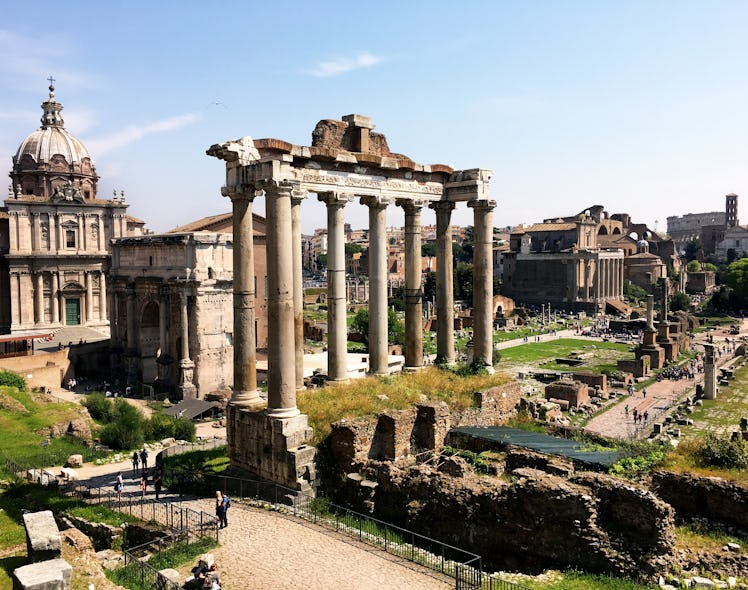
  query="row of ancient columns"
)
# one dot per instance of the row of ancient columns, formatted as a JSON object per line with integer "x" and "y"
{"x": 285, "y": 301}
{"x": 610, "y": 278}
{"x": 23, "y": 284}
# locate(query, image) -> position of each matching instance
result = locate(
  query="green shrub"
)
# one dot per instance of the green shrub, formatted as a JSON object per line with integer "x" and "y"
{"x": 11, "y": 379}
{"x": 637, "y": 460}
{"x": 127, "y": 430}
{"x": 723, "y": 452}
{"x": 100, "y": 407}
{"x": 159, "y": 426}
{"x": 184, "y": 429}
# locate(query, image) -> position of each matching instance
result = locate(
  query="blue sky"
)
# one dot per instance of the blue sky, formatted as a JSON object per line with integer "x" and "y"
{"x": 639, "y": 106}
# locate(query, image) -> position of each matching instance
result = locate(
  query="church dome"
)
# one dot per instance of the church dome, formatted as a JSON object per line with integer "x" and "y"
{"x": 51, "y": 157}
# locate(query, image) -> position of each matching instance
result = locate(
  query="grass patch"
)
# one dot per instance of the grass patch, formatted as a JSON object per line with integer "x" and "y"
{"x": 33, "y": 497}
{"x": 359, "y": 397}
{"x": 699, "y": 535}
{"x": 7, "y": 565}
{"x": 195, "y": 470}
{"x": 598, "y": 356}
{"x": 173, "y": 557}
{"x": 574, "y": 580}
{"x": 23, "y": 414}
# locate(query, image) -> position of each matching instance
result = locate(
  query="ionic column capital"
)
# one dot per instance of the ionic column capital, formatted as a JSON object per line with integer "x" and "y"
{"x": 482, "y": 205}
{"x": 239, "y": 192}
{"x": 335, "y": 199}
{"x": 411, "y": 205}
{"x": 442, "y": 206}
{"x": 298, "y": 195}
{"x": 376, "y": 202}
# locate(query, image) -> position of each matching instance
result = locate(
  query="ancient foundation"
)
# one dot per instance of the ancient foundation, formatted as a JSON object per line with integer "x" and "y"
{"x": 274, "y": 449}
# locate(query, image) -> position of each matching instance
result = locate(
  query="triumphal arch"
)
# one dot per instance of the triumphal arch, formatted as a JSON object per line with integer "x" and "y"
{"x": 346, "y": 160}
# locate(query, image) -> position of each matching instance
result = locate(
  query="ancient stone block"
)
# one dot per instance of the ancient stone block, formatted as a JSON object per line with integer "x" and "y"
{"x": 43, "y": 541}
{"x": 392, "y": 435}
{"x": 431, "y": 426}
{"x": 574, "y": 392}
{"x": 52, "y": 574}
{"x": 166, "y": 579}
{"x": 74, "y": 461}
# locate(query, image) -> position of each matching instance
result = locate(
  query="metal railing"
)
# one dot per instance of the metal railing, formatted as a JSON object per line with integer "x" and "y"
{"x": 137, "y": 558}
{"x": 463, "y": 566}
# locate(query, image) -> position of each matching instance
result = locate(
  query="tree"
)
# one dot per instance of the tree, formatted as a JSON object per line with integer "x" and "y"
{"x": 428, "y": 249}
{"x": 463, "y": 281}
{"x": 736, "y": 279}
{"x": 680, "y": 302}
{"x": 693, "y": 266}
{"x": 351, "y": 248}
{"x": 395, "y": 328}
{"x": 732, "y": 255}
{"x": 694, "y": 250}
{"x": 429, "y": 286}
{"x": 634, "y": 292}
{"x": 322, "y": 261}
{"x": 360, "y": 324}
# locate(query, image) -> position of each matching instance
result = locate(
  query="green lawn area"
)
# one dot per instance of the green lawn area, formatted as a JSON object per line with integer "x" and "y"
{"x": 723, "y": 414}
{"x": 573, "y": 580}
{"x": 596, "y": 355}
{"x": 23, "y": 414}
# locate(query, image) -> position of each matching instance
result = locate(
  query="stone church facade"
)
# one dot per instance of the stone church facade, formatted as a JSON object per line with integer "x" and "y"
{"x": 55, "y": 233}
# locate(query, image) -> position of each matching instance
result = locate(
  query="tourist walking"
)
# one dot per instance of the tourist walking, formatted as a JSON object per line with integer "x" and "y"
{"x": 143, "y": 483}
{"x": 118, "y": 486}
{"x": 135, "y": 461}
{"x": 143, "y": 460}
{"x": 220, "y": 509}
{"x": 226, "y": 503}
{"x": 157, "y": 481}
{"x": 626, "y": 409}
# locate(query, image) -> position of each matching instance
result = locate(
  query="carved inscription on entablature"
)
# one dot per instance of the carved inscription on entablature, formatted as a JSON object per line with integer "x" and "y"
{"x": 322, "y": 182}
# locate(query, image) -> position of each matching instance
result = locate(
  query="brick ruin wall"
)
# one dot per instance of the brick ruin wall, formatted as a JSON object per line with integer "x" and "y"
{"x": 401, "y": 434}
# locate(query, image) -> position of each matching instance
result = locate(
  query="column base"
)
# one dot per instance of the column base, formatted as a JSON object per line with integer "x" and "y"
{"x": 413, "y": 369}
{"x": 248, "y": 400}
{"x": 275, "y": 449}
{"x": 282, "y": 412}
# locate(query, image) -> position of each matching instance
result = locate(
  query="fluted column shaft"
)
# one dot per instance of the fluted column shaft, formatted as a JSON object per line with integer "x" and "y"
{"x": 39, "y": 296}
{"x": 483, "y": 280}
{"x": 378, "y": 326}
{"x": 131, "y": 341}
{"x": 55, "y": 296}
{"x": 185, "y": 352}
{"x": 245, "y": 356}
{"x": 89, "y": 297}
{"x": 102, "y": 296}
{"x": 281, "y": 340}
{"x": 445, "y": 340}
{"x": 163, "y": 307}
{"x": 298, "y": 287}
{"x": 337, "y": 329}
{"x": 413, "y": 291}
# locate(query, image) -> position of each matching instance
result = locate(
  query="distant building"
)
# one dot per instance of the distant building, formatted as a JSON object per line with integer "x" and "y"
{"x": 709, "y": 228}
{"x": 55, "y": 233}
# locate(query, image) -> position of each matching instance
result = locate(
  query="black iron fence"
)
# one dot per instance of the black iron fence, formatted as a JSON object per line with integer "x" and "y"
{"x": 465, "y": 567}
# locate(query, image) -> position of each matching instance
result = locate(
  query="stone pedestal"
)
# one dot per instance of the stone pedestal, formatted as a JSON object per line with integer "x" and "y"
{"x": 275, "y": 449}
{"x": 186, "y": 386}
{"x": 43, "y": 541}
{"x": 650, "y": 348}
{"x": 710, "y": 373}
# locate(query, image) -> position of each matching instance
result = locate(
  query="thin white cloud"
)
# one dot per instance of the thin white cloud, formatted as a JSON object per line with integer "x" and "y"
{"x": 137, "y": 132}
{"x": 335, "y": 67}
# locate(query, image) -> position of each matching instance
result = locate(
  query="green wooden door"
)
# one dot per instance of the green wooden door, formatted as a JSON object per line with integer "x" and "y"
{"x": 72, "y": 312}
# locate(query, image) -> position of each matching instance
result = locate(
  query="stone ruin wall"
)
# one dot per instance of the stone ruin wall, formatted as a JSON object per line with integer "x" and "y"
{"x": 712, "y": 498}
{"x": 402, "y": 434}
{"x": 590, "y": 521}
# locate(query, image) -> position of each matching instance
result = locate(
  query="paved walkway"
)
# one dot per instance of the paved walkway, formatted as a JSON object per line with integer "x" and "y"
{"x": 661, "y": 396}
{"x": 262, "y": 549}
